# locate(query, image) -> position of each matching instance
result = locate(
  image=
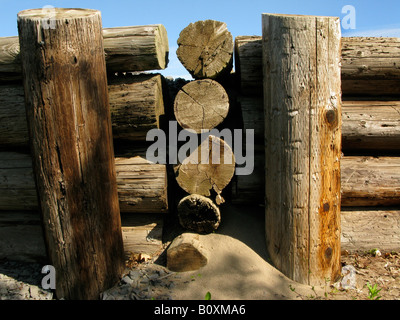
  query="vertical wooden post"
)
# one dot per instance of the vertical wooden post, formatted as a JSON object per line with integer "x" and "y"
{"x": 302, "y": 104}
{"x": 71, "y": 143}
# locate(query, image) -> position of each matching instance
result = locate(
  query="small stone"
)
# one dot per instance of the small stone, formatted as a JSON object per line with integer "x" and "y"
{"x": 127, "y": 280}
{"x": 134, "y": 275}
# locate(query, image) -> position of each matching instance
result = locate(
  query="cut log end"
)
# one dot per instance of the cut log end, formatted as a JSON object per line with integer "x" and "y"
{"x": 201, "y": 104}
{"x": 206, "y": 49}
{"x": 186, "y": 253}
{"x": 198, "y": 214}
{"x": 210, "y": 167}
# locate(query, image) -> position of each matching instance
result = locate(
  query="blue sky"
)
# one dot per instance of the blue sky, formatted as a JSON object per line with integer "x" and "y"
{"x": 373, "y": 17}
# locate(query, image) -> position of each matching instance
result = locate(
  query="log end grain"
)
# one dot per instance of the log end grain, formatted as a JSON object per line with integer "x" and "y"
{"x": 210, "y": 166}
{"x": 186, "y": 253}
{"x": 205, "y": 48}
{"x": 198, "y": 214}
{"x": 201, "y": 105}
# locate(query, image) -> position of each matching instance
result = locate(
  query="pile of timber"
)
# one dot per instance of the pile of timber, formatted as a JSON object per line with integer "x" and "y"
{"x": 137, "y": 105}
{"x": 205, "y": 49}
{"x": 370, "y": 166}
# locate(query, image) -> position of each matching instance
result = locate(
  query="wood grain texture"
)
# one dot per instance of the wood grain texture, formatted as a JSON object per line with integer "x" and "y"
{"x": 141, "y": 185}
{"x": 371, "y": 125}
{"x": 127, "y": 49}
{"x": 209, "y": 168}
{"x": 136, "y": 104}
{"x": 370, "y": 181}
{"x": 365, "y": 60}
{"x": 370, "y": 58}
{"x": 137, "y": 48}
{"x": 21, "y": 235}
{"x": 198, "y": 214}
{"x": 70, "y": 134}
{"x": 248, "y": 64}
{"x": 301, "y": 56}
{"x": 186, "y": 253}
{"x": 205, "y": 49}
{"x": 201, "y": 105}
{"x": 366, "y": 228}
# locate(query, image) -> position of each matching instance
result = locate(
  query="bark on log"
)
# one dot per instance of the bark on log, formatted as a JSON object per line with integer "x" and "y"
{"x": 186, "y": 253}
{"x": 142, "y": 186}
{"x": 198, "y": 214}
{"x": 302, "y": 102}
{"x": 365, "y": 60}
{"x": 71, "y": 143}
{"x": 136, "y": 103}
{"x": 371, "y": 125}
{"x": 370, "y": 181}
{"x": 201, "y": 105}
{"x": 209, "y": 167}
{"x": 127, "y": 49}
{"x": 205, "y": 49}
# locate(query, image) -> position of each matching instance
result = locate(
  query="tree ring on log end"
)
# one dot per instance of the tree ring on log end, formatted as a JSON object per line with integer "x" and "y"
{"x": 199, "y": 214}
{"x": 206, "y": 49}
{"x": 201, "y": 104}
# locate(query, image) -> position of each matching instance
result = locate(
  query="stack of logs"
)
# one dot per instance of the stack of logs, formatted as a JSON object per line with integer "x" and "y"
{"x": 137, "y": 105}
{"x": 206, "y": 51}
{"x": 370, "y": 166}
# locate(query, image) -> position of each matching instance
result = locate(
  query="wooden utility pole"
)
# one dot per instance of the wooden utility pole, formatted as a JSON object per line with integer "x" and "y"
{"x": 69, "y": 125}
{"x": 302, "y": 101}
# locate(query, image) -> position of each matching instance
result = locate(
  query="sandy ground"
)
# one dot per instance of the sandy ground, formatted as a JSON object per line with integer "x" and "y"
{"x": 238, "y": 265}
{"x": 238, "y": 269}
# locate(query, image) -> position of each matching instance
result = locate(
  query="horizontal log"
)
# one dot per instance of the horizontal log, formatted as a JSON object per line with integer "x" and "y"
{"x": 367, "y": 228}
{"x": 21, "y": 236}
{"x": 370, "y": 58}
{"x": 364, "y": 61}
{"x": 366, "y": 125}
{"x": 136, "y": 103}
{"x": 370, "y": 181}
{"x": 136, "y": 48}
{"x": 366, "y": 181}
{"x": 142, "y": 185}
{"x": 370, "y": 125}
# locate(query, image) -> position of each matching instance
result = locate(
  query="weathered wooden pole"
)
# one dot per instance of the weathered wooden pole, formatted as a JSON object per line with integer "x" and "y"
{"x": 71, "y": 143}
{"x": 302, "y": 101}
